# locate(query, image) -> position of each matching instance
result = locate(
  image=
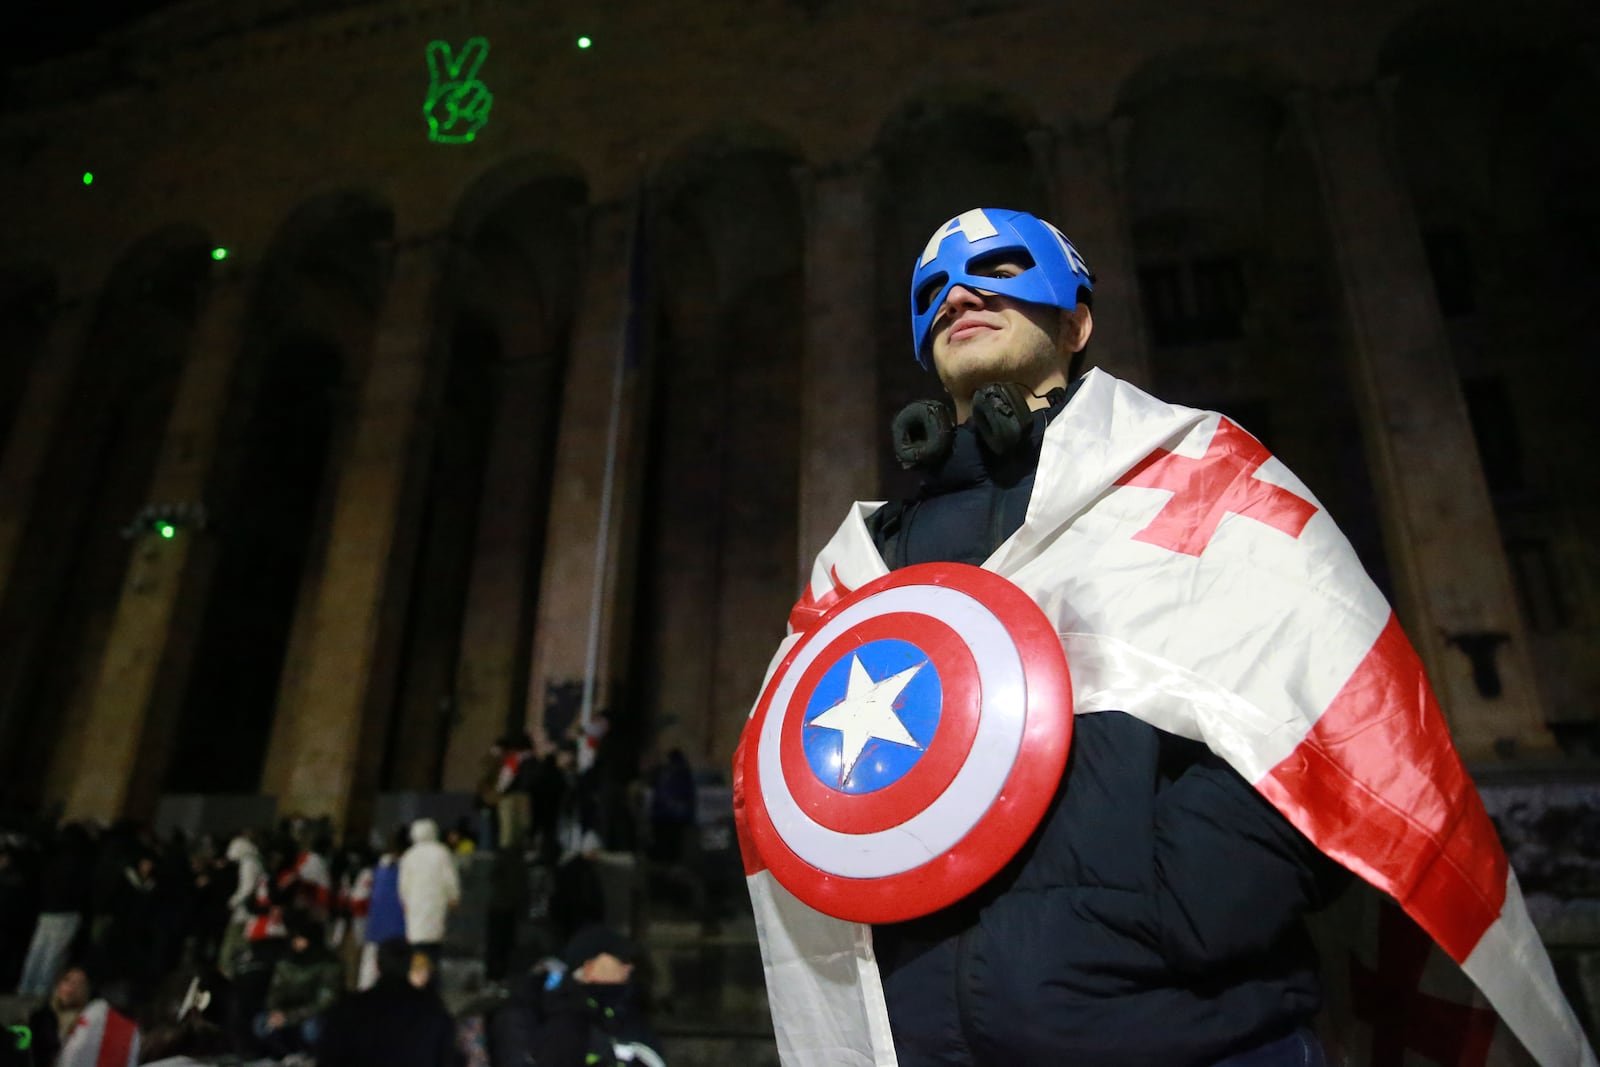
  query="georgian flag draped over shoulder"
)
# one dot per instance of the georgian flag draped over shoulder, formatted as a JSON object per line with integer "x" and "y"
{"x": 1198, "y": 585}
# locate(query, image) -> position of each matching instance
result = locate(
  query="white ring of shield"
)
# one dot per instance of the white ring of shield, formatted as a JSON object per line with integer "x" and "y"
{"x": 946, "y": 821}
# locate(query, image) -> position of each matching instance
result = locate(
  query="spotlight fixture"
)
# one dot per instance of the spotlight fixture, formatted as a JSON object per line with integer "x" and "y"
{"x": 166, "y": 521}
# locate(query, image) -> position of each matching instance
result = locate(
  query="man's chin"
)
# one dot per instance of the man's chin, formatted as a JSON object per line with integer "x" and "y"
{"x": 962, "y": 389}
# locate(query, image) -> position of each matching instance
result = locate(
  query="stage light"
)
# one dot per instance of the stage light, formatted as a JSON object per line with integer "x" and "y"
{"x": 88, "y": 177}
{"x": 584, "y": 42}
{"x": 219, "y": 253}
{"x": 165, "y": 520}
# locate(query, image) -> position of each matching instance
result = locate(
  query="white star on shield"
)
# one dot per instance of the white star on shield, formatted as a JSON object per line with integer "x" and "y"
{"x": 867, "y": 713}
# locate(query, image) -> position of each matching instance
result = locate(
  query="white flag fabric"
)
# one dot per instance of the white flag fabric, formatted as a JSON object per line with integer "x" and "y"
{"x": 1197, "y": 584}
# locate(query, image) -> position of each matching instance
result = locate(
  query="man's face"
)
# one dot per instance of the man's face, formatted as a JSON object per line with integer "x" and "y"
{"x": 605, "y": 969}
{"x": 978, "y": 338}
{"x": 72, "y": 989}
{"x": 421, "y": 970}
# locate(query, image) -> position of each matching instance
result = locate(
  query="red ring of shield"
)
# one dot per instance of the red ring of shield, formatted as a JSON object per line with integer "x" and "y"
{"x": 868, "y": 813}
{"x": 1011, "y": 818}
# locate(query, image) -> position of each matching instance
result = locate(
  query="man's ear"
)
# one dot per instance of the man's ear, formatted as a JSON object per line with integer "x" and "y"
{"x": 1076, "y": 326}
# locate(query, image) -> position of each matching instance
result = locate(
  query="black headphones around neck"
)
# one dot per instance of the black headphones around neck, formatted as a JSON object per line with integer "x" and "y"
{"x": 925, "y": 430}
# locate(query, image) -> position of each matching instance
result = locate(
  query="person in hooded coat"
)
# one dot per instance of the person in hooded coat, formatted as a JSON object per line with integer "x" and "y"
{"x": 429, "y": 887}
{"x": 250, "y": 874}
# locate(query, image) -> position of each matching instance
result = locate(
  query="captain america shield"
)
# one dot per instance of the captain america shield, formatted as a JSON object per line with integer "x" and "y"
{"x": 908, "y": 744}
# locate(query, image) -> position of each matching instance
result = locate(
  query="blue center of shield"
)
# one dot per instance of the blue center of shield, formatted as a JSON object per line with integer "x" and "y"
{"x": 879, "y": 709}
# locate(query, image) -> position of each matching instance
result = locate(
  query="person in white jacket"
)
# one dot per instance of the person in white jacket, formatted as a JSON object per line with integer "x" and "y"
{"x": 252, "y": 874}
{"x": 429, "y": 887}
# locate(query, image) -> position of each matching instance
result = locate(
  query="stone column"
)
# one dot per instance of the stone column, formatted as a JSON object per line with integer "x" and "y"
{"x": 116, "y": 765}
{"x": 1452, "y": 582}
{"x": 1087, "y": 204}
{"x": 839, "y": 436}
{"x": 561, "y": 638}
{"x": 509, "y": 515}
{"x": 327, "y": 739}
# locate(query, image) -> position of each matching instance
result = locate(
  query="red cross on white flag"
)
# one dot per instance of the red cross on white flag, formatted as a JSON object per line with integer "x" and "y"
{"x": 1206, "y": 490}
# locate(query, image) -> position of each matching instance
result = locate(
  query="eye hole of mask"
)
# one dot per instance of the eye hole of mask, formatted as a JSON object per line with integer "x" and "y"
{"x": 930, "y": 290}
{"x": 987, "y": 264}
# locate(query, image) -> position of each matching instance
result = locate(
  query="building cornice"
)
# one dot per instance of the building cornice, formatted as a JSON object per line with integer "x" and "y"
{"x": 203, "y": 37}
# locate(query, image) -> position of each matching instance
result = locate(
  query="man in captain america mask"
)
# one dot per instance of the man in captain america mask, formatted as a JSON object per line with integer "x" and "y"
{"x": 1158, "y": 885}
{"x": 1249, "y": 728}
{"x": 987, "y": 307}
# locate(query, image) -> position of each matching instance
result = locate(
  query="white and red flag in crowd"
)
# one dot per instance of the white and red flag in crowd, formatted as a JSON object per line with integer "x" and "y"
{"x": 102, "y": 1037}
{"x": 1197, "y": 584}
{"x": 310, "y": 881}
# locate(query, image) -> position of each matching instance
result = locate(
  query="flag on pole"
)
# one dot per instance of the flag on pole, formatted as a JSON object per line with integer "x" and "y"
{"x": 1198, "y": 585}
{"x": 629, "y": 344}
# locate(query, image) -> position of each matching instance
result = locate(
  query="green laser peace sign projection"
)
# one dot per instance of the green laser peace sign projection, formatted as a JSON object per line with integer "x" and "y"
{"x": 457, "y": 104}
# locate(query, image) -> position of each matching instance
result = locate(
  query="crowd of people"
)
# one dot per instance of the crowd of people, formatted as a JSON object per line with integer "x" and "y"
{"x": 278, "y": 945}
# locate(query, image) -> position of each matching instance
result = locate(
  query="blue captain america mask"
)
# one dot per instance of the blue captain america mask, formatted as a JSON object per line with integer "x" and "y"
{"x": 981, "y": 237}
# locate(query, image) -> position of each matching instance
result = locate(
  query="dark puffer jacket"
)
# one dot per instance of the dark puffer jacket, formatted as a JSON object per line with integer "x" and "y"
{"x": 1154, "y": 916}
{"x": 556, "y": 1021}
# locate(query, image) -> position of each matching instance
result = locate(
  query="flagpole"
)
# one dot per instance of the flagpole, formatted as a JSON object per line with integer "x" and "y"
{"x": 607, "y": 490}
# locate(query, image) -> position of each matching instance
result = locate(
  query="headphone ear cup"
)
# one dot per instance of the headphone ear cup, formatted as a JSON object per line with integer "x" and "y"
{"x": 1000, "y": 416}
{"x": 923, "y": 433}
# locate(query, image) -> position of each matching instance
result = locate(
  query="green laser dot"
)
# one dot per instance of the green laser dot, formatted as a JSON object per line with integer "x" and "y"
{"x": 167, "y": 530}
{"x": 88, "y": 177}
{"x": 584, "y": 42}
{"x": 219, "y": 254}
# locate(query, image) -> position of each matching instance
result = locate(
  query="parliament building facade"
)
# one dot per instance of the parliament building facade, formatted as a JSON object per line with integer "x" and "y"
{"x": 377, "y": 377}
